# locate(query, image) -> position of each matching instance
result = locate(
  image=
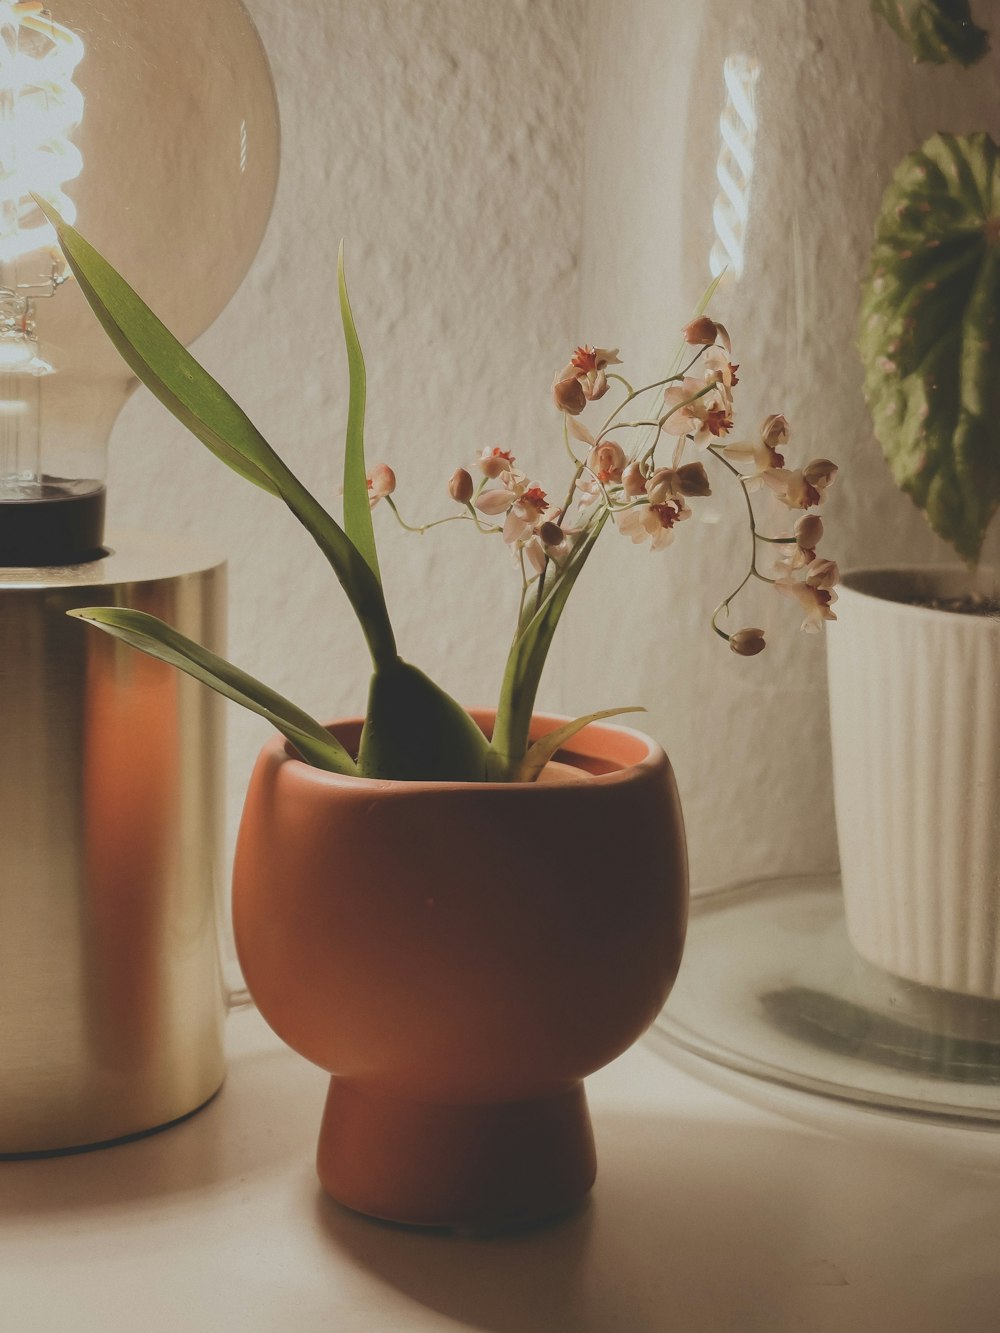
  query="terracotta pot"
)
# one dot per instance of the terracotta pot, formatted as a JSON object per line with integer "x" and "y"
{"x": 459, "y": 956}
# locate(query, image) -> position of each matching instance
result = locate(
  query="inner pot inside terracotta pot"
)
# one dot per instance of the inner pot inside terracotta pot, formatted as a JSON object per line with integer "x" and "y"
{"x": 598, "y": 750}
{"x": 949, "y": 588}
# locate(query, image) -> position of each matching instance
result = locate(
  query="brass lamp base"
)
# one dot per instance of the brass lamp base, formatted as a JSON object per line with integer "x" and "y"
{"x": 111, "y": 995}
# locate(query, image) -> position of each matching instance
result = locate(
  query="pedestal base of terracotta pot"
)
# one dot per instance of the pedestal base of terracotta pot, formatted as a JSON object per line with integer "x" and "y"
{"x": 472, "y": 1168}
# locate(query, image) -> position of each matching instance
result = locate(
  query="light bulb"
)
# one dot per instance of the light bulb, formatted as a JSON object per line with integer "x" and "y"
{"x": 735, "y": 165}
{"x": 154, "y": 129}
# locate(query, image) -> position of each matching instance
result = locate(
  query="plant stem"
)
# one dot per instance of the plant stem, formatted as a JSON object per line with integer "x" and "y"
{"x": 437, "y": 523}
{"x": 753, "y": 571}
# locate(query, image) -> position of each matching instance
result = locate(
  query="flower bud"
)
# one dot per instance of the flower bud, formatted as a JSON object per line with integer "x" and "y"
{"x": 747, "y": 642}
{"x": 494, "y": 462}
{"x": 461, "y": 487}
{"x": 774, "y": 431}
{"x": 607, "y": 461}
{"x": 823, "y": 574}
{"x": 569, "y": 396}
{"x": 809, "y": 531}
{"x": 692, "y": 479}
{"x": 633, "y": 480}
{"x": 551, "y": 534}
{"x": 382, "y": 480}
{"x": 701, "y": 332}
{"x": 820, "y": 473}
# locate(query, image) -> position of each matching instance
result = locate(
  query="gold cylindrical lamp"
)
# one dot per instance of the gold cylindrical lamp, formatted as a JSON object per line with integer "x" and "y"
{"x": 155, "y": 129}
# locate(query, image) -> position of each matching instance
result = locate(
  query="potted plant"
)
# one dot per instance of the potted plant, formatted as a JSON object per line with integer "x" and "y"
{"x": 461, "y": 914}
{"x": 915, "y": 667}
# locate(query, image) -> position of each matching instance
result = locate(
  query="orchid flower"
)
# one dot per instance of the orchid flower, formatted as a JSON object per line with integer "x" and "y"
{"x": 584, "y": 379}
{"x": 655, "y": 522}
{"x": 815, "y": 602}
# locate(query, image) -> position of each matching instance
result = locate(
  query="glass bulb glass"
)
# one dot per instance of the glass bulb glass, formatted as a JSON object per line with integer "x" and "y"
{"x": 154, "y": 129}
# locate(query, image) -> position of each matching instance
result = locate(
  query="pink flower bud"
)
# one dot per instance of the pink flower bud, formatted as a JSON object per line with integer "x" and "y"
{"x": 461, "y": 487}
{"x": 569, "y": 396}
{"x": 692, "y": 479}
{"x": 701, "y": 332}
{"x": 747, "y": 642}
{"x": 381, "y": 482}
{"x": 809, "y": 531}
{"x": 774, "y": 431}
{"x": 633, "y": 480}
{"x": 607, "y": 462}
{"x": 493, "y": 462}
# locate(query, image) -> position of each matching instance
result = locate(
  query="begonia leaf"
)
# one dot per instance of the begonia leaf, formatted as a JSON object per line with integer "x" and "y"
{"x": 929, "y": 334}
{"x": 935, "y": 30}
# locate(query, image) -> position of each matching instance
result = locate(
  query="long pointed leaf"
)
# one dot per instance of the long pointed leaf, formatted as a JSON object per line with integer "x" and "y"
{"x": 169, "y": 372}
{"x": 546, "y": 746}
{"x": 416, "y": 732}
{"x": 357, "y": 511}
{"x": 525, "y": 664}
{"x": 161, "y": 641}
{"x": 204, "y": 407}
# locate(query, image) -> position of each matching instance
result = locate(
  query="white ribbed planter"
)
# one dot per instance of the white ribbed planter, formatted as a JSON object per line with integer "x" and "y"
{"x": 915, "y": 720}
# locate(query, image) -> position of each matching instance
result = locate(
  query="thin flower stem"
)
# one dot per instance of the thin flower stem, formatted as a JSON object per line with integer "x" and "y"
{"x": 725, "y": 604}
{"x": 753, "y": 571}
{"x": 651, "y": 451}
{"x": 610, "y": 423}
{"x": 604, "y": 489}
{"x": 632, "y": 395}
{"x": 697, "y": 356}
{"x": 713, "y": 449}
{"x": 612, "y": 375}
{"x": 452, "y": 518}
{"x": 630, "y": 425}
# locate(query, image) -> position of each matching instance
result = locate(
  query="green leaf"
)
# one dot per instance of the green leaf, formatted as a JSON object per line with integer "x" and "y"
{"x": 204, "y": 407}
{"x": 159, "y": 640}
{"x": 935, "y": 30}
{"x": 929, "y": 334}
{"x": 357, "y": 511}
{"x": 415, "y": 732}
{"x": 546, "y": 746}
{"x": 525, "y": 664}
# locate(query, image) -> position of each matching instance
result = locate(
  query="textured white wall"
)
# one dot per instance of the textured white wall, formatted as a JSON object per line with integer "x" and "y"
{"x": 499, "y": 169}
{"x": 441, "y": 139}
{"x": 839, "y": 103}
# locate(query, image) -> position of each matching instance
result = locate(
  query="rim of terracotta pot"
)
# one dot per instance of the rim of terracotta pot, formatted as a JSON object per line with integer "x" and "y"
{"x": 650, "y": 757}
{"x": 890, "y": 585}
